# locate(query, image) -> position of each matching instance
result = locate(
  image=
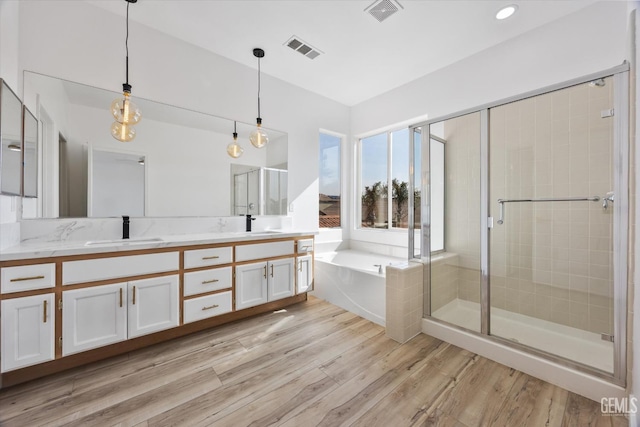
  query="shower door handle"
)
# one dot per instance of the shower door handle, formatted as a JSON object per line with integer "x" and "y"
{"x": 608, "y": 198}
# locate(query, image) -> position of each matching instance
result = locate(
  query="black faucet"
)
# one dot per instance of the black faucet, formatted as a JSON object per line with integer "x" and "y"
{"x": 249, "y": 219}
{"x": 125, "y": 227}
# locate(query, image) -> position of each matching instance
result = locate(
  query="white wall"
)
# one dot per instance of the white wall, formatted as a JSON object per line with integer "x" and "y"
{"x": 168, "y": 70}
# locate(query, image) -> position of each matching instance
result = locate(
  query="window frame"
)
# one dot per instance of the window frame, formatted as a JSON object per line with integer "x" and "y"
{"x": 389, "y": 181}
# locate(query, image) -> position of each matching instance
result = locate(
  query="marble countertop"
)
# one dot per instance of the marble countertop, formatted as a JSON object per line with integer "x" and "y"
{"x": 32, "y": 250}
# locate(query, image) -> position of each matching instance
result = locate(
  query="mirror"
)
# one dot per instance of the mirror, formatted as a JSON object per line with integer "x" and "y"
{"x": 186, "y": 170}
{"x": 10, "y": 141}
{"x": 119, "y": 178}
{"x": 30, "y": 149}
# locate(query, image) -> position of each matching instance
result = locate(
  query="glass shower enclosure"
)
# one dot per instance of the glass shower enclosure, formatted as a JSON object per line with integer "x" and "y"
{"x": 532, "y": 204}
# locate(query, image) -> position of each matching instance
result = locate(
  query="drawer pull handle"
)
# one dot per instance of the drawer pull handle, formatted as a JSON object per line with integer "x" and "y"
{"x": 265, "y": 271}
{"x": 271, "y": 270}
{"x": 134, "y": 295}
{"x": 305, "y": 248}
{"x": 44, "y": 316}
{"x": 22, "y": 279}
{"x": 210, "y": 307}
{"x": 300, "y": 266}
{"x": 210, "y": 257}
{"x": 120, "y": 297}
{"x": 206, "y": 282}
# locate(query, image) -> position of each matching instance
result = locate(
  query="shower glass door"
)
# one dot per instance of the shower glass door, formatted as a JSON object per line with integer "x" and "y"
{"x": 553, "y": 199}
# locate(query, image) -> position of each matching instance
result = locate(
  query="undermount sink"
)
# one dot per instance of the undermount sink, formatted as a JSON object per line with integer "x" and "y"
{"x": 123, "y": 241}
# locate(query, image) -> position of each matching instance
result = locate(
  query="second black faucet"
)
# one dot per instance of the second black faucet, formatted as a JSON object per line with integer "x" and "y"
{"x": 125, "y": 227}
{"x": 249, "y": 219}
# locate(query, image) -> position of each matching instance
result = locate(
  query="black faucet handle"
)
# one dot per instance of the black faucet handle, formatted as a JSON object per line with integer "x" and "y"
{"x": 125, "y": 226}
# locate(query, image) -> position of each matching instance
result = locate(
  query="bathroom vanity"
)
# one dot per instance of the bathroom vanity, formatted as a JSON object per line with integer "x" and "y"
{"x": 70, "y": 304}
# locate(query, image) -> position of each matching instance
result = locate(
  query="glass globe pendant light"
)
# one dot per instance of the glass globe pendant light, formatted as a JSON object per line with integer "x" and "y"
{"x": 126, "y": 113}
{"x": 234, "y": 149}
{"x": 258, "y": 137}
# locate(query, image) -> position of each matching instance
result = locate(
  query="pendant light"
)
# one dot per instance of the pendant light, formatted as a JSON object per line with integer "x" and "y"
{"x": 126, "y": 113}
{"x": 258, "y": 137}
{"x": 234, "y": 149}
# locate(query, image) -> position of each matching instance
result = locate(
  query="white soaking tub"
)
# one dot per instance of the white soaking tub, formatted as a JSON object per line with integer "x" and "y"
{"x": 350, "y": 279}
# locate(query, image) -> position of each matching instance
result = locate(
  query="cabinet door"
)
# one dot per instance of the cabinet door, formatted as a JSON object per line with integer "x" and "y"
{"x": 281, "y": 279}
{"x": 251, "y": 285}
{"x": 93, "y": 317}
{"x": 27, "y": 331}
{"x": 153, "y": 305}
{"x": 304, "y": 274}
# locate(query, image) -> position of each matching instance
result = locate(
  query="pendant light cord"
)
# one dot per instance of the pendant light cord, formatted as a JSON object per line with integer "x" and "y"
{"x": 259, "y": 87}
{"x": 126, "y": 45}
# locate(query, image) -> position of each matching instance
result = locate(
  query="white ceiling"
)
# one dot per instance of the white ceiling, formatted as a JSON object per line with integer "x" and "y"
{"x": 362, "y": 57}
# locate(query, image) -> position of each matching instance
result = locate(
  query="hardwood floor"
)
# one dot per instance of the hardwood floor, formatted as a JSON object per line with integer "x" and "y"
{"x": 311, "y": 364}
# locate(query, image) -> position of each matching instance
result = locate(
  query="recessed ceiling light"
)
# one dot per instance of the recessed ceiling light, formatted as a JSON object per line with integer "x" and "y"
{"x": 506, "y": 11}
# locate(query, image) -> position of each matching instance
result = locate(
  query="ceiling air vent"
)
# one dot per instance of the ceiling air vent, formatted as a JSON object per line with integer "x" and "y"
{"x": 382, "y": 9}
{"x": 303, "y": 47}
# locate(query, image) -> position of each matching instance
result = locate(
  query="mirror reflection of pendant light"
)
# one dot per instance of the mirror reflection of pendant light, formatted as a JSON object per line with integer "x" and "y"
{"x": 234, "y": 149}
{"x": 258, "y": 137}
{"x": 124, "y": 111}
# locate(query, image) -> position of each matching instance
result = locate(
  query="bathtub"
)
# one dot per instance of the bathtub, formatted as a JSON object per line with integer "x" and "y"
{"x": 349, "y": 279}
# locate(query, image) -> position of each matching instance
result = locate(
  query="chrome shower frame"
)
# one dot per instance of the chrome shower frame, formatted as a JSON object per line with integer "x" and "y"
{"x": 620, "y": 75}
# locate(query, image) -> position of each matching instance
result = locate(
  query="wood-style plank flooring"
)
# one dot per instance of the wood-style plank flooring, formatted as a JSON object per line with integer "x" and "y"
{"x": 312, "y": 364}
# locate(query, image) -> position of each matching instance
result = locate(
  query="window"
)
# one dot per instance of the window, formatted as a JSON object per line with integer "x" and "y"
{"x": 329, "y": 181}
{"x": 384, "y": 176}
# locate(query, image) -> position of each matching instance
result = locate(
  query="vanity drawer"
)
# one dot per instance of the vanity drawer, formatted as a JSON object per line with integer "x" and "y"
{"x": 305, "y": 245}
{"x": 27, "y": 277}
{"x": 263, "y": 250}
{"x": 205, "y": 307}
{"x": 91, "y": 270}
{"x": 207, "y": 257}
{"x": 198, "y": 282}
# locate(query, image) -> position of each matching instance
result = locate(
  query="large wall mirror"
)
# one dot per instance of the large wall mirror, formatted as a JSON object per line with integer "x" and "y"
{"x": 10, "y": 141}
{"x": 177, "y": 164}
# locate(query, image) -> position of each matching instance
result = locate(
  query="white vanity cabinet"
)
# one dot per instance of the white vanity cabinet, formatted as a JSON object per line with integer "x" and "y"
{"x": 27, "y": 331}
{"x": 84, "y": 305}
{"x": 93, "y": 317}
{"x": 101, "y": 315}
{"x": 262, "y": 282}
{"x": 304, "y": 274}
{"x": 153, "y": 305}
